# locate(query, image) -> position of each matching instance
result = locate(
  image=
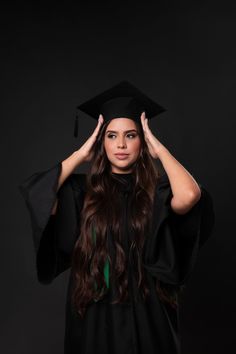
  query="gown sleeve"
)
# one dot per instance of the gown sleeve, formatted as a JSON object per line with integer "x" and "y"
{"x": 175, "y": 241}
{"x": 54, "y": 236}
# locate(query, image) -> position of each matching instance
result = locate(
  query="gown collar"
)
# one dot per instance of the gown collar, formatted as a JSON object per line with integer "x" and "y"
{"x": 125, "y": 181}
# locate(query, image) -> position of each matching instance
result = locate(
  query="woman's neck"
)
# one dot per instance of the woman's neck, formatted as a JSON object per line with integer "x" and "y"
{"x": 122, "y": 174}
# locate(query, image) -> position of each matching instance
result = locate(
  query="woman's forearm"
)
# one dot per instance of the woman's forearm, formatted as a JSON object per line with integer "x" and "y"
{"x": 68, "y": 166}
{"x": 185, "y": 189}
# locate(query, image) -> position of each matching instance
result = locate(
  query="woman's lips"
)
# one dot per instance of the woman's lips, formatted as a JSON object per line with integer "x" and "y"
{"x": 121, "y": 156}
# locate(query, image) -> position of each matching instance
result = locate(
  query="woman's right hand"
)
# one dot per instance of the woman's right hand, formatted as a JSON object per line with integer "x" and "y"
{"x": 86, "y": 149}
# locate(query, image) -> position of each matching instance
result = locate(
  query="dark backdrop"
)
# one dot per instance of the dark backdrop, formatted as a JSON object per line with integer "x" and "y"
{"x": 54, "y": 57}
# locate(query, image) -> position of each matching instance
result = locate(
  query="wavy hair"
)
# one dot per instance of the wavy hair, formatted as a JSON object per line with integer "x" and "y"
{"x": 101, "y": 206}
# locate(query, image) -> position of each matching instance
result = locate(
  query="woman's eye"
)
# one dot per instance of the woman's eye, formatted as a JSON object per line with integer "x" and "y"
{"x": 129, "y": 135}
{"x": 111, "y": 135}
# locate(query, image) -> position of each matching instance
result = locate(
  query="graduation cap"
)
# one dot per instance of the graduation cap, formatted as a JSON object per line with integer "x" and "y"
{"x": 121, "y": 100}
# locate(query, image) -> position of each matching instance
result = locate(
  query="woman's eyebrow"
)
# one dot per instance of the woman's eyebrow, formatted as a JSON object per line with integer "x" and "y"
{"x": 125, "y": 131}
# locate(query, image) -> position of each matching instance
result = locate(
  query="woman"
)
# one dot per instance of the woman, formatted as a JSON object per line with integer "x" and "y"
{"x": 129, "y": 236}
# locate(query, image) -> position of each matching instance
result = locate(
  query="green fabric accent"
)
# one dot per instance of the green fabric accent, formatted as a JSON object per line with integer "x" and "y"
{"x": 106, "y": 273}
{"x": 106, "y": 266}
{"x": 94, "y": 235}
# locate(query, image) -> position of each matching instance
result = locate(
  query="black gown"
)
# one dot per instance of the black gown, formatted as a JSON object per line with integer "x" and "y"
{"x": 171, "y": 250}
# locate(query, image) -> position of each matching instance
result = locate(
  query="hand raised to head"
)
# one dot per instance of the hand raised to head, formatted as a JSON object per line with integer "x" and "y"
{"x": 86, "y": 148}
{"x": 152, "y": 142}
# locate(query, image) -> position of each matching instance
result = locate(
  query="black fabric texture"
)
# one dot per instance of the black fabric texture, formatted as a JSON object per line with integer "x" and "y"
{"x": 170, "y": 253}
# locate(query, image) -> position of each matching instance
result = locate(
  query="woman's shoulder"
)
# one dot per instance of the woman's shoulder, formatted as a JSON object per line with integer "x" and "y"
{"x": 78, "y": 181}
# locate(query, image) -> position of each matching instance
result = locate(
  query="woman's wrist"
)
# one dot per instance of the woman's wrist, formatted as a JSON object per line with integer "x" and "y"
{"x": 78, "y": 157}
{"x": 69, "y": 165}
{"x": 161, "y": 150}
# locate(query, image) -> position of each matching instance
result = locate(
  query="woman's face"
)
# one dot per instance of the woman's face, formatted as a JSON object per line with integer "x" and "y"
{"x": 122, "y": 137}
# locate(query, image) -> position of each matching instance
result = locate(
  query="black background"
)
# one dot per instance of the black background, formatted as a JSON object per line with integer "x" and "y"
{"x": 55, "y": 56}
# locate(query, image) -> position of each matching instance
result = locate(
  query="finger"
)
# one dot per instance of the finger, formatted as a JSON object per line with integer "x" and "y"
{"x": 143, "y": 119}
{"x": 99, "y": 123}
{"x": 146, "y": 123}
{"x": 100, "y": 119}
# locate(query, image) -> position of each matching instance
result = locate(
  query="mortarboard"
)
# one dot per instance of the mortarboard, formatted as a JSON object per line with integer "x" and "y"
{"x": 121, "y": 100}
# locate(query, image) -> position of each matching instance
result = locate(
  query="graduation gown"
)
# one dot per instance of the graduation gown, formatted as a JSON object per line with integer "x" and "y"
{"x": 170, "y": 253}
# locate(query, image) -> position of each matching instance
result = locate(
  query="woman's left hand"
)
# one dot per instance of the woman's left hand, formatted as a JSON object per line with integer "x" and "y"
{"x": 153, "y": 144}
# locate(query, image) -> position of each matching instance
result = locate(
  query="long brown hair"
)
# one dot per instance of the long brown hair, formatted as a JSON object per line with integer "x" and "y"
{"x": 99, "y": 207}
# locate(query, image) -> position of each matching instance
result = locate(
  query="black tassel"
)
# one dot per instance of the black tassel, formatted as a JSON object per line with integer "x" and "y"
{"x": 76, "y": 126}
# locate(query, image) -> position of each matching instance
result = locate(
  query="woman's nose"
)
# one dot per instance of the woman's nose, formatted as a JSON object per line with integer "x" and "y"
{"x": 121, "y": 143}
